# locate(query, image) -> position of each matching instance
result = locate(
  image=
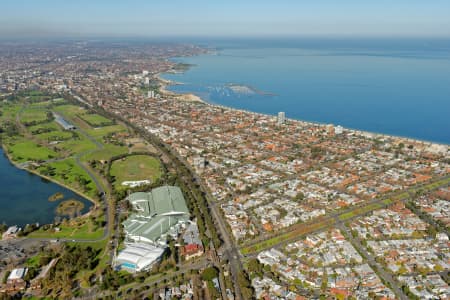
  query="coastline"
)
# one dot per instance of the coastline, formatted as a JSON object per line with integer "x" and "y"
{"x": 164, "y": 83}
{"x": 190, "y": 97}
{"x": 16, "y": 165}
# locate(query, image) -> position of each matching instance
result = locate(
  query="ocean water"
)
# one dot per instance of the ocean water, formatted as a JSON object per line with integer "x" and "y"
{"x": 24, "y": 196}
{"x": 397, "y": 87}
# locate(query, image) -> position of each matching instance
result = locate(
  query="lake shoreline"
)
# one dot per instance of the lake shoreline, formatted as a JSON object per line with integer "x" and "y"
{"x": 35, "y": 173}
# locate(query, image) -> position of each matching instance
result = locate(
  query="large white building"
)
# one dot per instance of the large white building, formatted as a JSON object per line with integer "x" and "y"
{"x": 159, "y": 214}
{"x": 138, "y": 257}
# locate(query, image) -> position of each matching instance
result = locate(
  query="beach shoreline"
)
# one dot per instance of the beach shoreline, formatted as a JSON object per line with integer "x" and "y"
{"x": 190, "y": 97}
{"x": 164, "y": 83}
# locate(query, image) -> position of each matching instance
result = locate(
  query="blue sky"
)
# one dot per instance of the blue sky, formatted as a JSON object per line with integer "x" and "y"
{"x": 140, "y": 18}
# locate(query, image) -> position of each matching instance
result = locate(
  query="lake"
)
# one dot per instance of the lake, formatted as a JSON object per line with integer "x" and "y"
{"x": 24, "y": 196}
{"x": 396, "y": 87}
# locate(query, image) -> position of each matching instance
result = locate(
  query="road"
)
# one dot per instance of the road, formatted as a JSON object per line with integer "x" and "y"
{"x": 98, "y": 184}
{"x": 183, "y": 269}
{"x": 229, "y": 249}
{"x": 385, "y": 276}
{"x": 329, "y": 220}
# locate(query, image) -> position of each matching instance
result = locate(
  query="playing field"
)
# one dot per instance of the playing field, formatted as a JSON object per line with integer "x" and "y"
{"x": 134, "y": 168}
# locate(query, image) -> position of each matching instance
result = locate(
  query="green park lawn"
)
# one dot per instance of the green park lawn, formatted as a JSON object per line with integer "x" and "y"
{"x": 23, "y": 150}
{"x": 30, "y": 114}
{"x": 100, "y": 132}
{"x": 96, "y": 120}
{"x": 54, "y": 136}
{"x": 84, "y": 230}
{"x": 69, "y": 110}
{"x": 106, "y": 153}
{"x": 69, "y": 173}
{"x": 79, "y": 145}
{"x": 9, "y": 111}
{"x": 136, "y": 167}
{"x": 50, "y": 126}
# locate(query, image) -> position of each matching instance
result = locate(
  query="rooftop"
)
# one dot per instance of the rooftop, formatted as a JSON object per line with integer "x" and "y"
{"x": 158, "y": 213}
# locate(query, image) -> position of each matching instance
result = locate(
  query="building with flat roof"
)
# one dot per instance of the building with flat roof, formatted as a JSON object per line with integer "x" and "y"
{"x": 160, "y": 213}
{"x": 15, "y": 281}
{"x": 63, "y": 123}
{"x": 137, "y": 257}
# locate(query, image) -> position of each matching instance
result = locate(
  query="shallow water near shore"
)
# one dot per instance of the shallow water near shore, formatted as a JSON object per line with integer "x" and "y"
{"x": 392, "y": 87}
{"x": 24, "y": 196}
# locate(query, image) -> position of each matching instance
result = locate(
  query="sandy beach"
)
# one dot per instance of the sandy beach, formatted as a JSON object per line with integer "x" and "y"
{"x": 189, "y": 97}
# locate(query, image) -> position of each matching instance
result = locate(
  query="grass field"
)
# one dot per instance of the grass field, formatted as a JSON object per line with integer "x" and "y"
{"x": 54, "y": 136}
{"x": 69, "y": 173}
{"x": 23, "y": 150}
{"x": 33, "y": 115}
{"x": 96, "y": 120}
{"x": 74, "y": 146}
{"x": 9, "y": 111}
{"x": 105, "y": 154}
{"x": 136, "y": 167}
{"x": 78, "y": 229}
{"x": 51, "y": 126}
{"x": 98, "y": 133}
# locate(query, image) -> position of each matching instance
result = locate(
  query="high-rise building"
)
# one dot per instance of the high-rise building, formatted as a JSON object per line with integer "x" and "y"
{"x": 151, "y": 94}
{"x": 144, "y": 73}
{"x": 330, "y": 129}
{"x": 146, "y": 81}
{"x": 281, "y": 118}
{"x": 338, "y": 129}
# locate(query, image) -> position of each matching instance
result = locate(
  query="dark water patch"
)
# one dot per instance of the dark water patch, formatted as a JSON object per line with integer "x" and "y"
{"x": 24, "y": 196}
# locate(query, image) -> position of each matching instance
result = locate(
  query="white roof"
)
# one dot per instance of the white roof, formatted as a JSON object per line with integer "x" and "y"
{"x": 17, "y": 273}
{"x": 140, "y": 254}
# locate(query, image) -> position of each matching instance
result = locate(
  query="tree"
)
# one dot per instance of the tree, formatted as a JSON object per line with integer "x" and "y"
{"x": 255, "y": 267}
{"x": 210, "y": 273}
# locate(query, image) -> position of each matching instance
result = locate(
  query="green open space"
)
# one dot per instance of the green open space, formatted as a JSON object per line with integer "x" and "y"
{"x": 22, "y": 150}
{"x": 46, "y": 104}
{"x": 69, "y": 110}
{"x": 71, "y": 113}
{"x": 55, "y": 136}
{"x": 297, "y": 231}
{"x": 96, "y": 120}
{"x": 69, "y": 173}
{"x": 75, "y": 229}
{"x": 45, "y": 127}
{"x": 135, "y": 167}
{"x": 360, "y": 211}
{"x": 9, "y": 111}
{"x": 76, "y": 145}
{"x": 30, "y": 115}
{"x": 100, "y": 132}
{"x": 106, "y": 153}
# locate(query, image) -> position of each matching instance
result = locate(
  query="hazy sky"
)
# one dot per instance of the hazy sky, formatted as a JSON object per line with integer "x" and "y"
{"x": 78, "y": 18}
